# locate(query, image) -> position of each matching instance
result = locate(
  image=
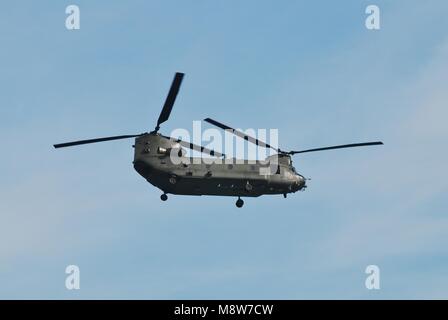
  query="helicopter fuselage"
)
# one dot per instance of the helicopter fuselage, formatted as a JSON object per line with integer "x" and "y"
{"x": 178, "y": 174}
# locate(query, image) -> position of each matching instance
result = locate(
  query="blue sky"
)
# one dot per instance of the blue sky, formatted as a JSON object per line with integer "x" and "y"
{"x": 308, "y": 68}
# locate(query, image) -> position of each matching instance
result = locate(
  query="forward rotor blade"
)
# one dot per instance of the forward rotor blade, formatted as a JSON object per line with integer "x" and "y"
{"x": 195, "y": 147}
{"x": 339, "y": 147}
{"x": 241, "y": 134}
{"x": 202, "y": 149}
{"x": 170, "y": 99}
{"x": 75, "y": 143}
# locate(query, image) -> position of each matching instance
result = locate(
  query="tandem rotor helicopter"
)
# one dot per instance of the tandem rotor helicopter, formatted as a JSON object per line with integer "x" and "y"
{"x": 153, "y": 161}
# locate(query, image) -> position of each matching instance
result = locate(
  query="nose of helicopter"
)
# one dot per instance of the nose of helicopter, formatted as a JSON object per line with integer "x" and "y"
{"x": 300, "y": 182}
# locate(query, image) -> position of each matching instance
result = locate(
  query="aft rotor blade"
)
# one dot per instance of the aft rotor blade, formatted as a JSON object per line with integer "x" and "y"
{"x": 75, "y": 143}
{"x": 241, "y": 134}
{"x": 195, "y": 147}
{"x": 170, "y": 99}
{"x": 339, "y": 147}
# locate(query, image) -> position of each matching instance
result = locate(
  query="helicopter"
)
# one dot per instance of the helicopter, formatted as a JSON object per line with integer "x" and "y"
{"x": 162, "y": 161}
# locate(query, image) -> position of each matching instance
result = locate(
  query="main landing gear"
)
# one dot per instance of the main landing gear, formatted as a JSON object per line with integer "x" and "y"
{"x": 239, "y": 203}
{"x": 164, "y": 197}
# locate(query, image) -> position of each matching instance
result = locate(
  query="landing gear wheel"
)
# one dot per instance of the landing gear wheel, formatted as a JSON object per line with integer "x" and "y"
{"x": 239, "y": 203}
{"x": 164, "y": 197}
